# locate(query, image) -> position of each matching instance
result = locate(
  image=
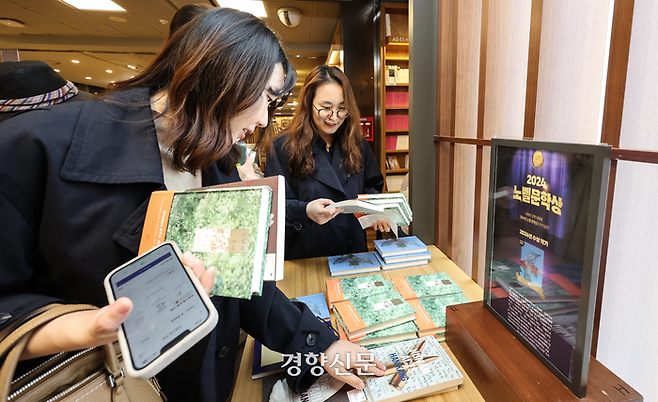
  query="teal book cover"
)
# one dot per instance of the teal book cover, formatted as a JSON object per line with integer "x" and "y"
{"x": 426, "y": 285}
{"x": 339, "y": 289}
{"x": 227, "y": 229}
{"x": 351, "y": 264}
{"x": 431, "y": 318}
{"x": 399, "y": 246}
{"x": 362, "y": 315}
{"x": 400, "y": 332}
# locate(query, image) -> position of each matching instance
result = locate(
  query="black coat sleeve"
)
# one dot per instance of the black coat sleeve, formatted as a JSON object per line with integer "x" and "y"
{"x": 286, "y": 327}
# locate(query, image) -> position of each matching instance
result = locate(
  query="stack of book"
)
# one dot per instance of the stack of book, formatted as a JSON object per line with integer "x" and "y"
{"x": 342, "y": 289}
{"x": 430, "y": 295}
{"x": 402, "y": 252}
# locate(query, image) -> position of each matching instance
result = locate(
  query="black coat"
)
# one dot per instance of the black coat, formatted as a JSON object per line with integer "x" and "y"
{"x": 75, "y": 180}
{"x": 341, "y": 235}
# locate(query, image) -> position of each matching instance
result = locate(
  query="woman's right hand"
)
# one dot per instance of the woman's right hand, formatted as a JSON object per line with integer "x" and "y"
{"x": 316, "y": 211}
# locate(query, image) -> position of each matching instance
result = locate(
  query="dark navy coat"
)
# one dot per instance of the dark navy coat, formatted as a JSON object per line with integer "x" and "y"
{"x": 75, "y": 180}
{"x": 341, "y": 235}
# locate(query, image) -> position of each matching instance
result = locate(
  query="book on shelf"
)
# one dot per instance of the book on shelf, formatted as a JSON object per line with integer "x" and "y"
{"x": 396, "y": 333}
{"x": 274, "y": 256}
{"x": 431, "y": 312}
{"x": 357, "y": 206}
{"x": 414, "y": 368}
{"x": 404, "y": 264}
{"x": 362, "y": 315}
{"x": 391, "y": 142}
{"x": 398, "y": 122}
{"x": 224, "y": 227}
{"x": 266, "y": 361}
{"x": 402, "y": 245}
{"x": 426, "y": 255}
{"x": 393, "y": 162}
{"x": 341, "y": 289}
{"x": 397, "y": 27}
{"x": 352, "y": 264}
{"x": 397, "y": 99}
{"x": 394, "y": 182}
{"x": 402, "y": 142}
{"x": 425, "y": 285}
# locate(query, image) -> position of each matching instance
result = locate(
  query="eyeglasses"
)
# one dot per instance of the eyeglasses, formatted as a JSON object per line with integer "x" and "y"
{"x": 276, "y": 103}
{"x": 326, "y": 112}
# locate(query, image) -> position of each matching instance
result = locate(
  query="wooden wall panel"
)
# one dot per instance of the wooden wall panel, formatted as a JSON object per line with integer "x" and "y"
{"x": 572, "y": 69}
{"x": 507, "y": 65}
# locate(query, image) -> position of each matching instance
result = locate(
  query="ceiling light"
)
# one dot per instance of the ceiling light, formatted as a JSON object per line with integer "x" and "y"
{"x": 131, "y": 67}
{"x": 118, "y": 19}
{"x": 11, "y": 23}
{"x": 98, "y": 5}
{"x": 88, "y": 78}
{"x": 108, "y": 71}
{"x": 56, "y": 70}
{"x": 164, "y": 22}
{"x": 75, "y": 61}
{"x": 254, "y": 7}
{"x": 290, "y": 16}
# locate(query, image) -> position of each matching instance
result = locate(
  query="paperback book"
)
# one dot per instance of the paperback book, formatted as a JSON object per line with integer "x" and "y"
{"x": 425, "y": 285}
{"x": 389, "y": 198}
{"x": 393, "y": 259}
{"x": 226, "y": 228}
{"x": 431, "y": 312}
{"x": 274, "y": 256}
{"x": 363, "y": 315}
{"x": 414, "y": 369}
{"x": 356, "y": 206}
{"x": 341, "y": 289}
{"x": 352, "y": 264}
{"x": 396, "y": 333}
{"x": 317, "y": 304}
{"x": 399, "y": 246}
{"x": 404, "y": 264}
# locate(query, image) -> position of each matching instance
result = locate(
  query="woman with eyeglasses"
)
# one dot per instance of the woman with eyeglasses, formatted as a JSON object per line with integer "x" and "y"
{"x": 325, "y": 159}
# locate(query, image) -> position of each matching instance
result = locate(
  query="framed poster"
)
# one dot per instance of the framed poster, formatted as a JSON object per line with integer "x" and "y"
{"x": 544, "y": 232}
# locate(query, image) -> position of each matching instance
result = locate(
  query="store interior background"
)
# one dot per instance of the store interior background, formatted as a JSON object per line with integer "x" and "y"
{"x": 553, "y": 70}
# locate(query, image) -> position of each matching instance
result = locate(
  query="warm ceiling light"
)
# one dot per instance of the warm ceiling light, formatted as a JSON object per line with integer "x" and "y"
{"x": 118, "y": 19}
{"x": 108, "y": 71}
{"x": 164, "y": 22}
{"x": 131, "y": 67}
{"x": 98, "y": 5}
{"x": 88, "y": 78}
{"x": 254, "y": 7}
{"x": 75, "y": 61}
{"x": 56, "y": 70}
{"x": 11, "y": 23}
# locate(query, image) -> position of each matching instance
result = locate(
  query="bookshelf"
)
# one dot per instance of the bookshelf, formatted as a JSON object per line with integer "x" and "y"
{"x": 394, "y": 101}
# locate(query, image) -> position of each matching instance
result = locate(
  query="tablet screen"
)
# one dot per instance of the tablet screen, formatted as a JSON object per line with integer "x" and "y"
{"x": 166, "y": 305}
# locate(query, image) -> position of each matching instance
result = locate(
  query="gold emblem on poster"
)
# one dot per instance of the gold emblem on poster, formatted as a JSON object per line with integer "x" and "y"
{"x": 537, "y": 160}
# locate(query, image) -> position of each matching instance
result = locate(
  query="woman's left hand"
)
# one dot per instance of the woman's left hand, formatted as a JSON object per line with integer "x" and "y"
{"x": 382, "y": 226}
{"x": 343, "y": 357}
{"x": 205, "y": 276}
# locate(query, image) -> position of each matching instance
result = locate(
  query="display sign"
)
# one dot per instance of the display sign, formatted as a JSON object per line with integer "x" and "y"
{"x": 546, "y": 210}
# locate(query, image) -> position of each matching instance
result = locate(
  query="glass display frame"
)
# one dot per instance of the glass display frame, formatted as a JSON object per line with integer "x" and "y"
{"x": 544, "y": 235}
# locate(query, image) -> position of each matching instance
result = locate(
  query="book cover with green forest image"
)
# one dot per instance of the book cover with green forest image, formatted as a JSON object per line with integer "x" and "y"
{"x": 225, "y": 228}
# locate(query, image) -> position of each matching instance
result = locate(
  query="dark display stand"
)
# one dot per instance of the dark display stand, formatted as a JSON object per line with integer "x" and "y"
{"x": 503, "y": 369}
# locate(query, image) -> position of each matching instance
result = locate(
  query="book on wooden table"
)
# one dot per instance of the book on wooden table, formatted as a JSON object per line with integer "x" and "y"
{"x": 403, "y": 264}
{"x": 394, "y": 259}
{"x": 414, "y": 369}
{"x": 266, "y": 361}
{"x": 431, "y": 312}
{"x": 363, "y": 315}
{"x": 274, "y": 256}
{"x": 352, "y": 264}
{"x": 340, "y": 289}
{"x": 396, "y": 333}
{"x": 225, "y": 227}
{"x": 425, "y": 285}
{"x": 399, "y": 246}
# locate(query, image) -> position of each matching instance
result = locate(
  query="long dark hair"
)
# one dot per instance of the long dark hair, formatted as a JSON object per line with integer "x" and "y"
{"x": 301, "y": 131}
{"x": 213, "y": 69}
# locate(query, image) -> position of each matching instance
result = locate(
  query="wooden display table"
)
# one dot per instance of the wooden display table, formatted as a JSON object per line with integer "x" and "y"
{"x": 305, "y": 277}
{"x": 505, "y": 370}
